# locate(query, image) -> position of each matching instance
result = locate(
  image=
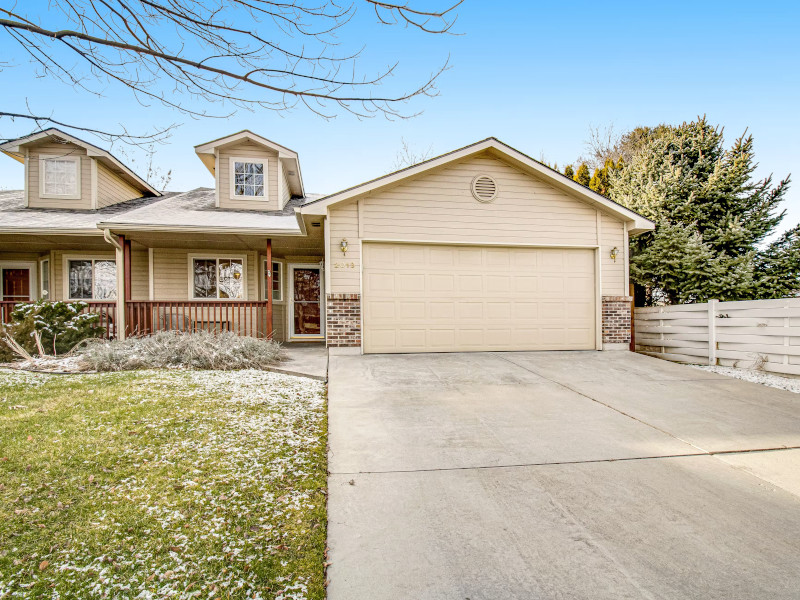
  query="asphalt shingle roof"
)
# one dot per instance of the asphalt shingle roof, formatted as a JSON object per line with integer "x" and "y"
{"x": 180, "y": 209}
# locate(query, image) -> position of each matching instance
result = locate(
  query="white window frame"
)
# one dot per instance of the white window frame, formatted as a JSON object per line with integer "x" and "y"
{"x": 33, "y": 275}
{"x": 44, "y": 267}
{"x": 232, "y": 177}
{"x": 67, "y": 258}
{"x": 281, "y": 270}
{"x": 290, "y": 312}
{"x": 216, "y": 256}
{"x": 43, "y": 158}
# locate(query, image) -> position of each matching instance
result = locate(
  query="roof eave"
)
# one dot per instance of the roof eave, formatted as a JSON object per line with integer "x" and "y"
{"x": 155, "y": 228}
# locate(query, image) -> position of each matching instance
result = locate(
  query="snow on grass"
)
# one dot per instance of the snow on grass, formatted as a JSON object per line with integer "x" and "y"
{"x": 162, "y": 484}
{"x": 762, "y": 377}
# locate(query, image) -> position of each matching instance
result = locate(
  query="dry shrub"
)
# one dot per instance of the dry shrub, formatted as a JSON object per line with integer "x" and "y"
{"x": 173, "y": 349}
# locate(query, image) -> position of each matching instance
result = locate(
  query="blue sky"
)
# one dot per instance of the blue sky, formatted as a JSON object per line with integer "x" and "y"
{"x": 536, "y": 75}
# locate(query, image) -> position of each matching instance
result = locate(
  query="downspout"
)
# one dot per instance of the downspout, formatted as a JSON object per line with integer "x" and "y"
{"x": 119, "y": 326}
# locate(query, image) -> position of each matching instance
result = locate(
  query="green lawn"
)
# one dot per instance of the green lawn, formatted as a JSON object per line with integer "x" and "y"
{"x": 162, "y": 484}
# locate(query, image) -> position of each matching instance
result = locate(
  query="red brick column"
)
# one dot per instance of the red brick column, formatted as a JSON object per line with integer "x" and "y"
{"x": 343, "y": 320}
{"x": 617, "y": 320}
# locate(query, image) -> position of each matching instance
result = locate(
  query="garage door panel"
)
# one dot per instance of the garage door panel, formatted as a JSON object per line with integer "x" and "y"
{"x": 442, "y": 310}
{"x": 414, "y": 310}
{"x": 469, "y": 310}
{"x": 431, "y": 298}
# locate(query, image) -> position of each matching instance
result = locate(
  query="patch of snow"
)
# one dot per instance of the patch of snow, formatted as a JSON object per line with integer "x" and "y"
{"x": 762, "y": 377}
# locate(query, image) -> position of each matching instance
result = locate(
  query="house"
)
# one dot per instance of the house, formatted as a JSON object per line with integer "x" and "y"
{"x": 482, "y": 248}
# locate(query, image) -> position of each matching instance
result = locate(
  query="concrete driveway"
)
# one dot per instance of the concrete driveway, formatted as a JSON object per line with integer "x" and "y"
{"x": 558, "y": 475}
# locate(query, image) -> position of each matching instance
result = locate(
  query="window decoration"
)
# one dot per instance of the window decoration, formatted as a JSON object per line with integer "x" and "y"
{"x": 218, "y": 278}
{"x": 91, "y": 279}
{"x": 248, "y": 178}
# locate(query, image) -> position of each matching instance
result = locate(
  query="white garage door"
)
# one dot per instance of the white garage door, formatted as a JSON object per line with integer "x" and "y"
{"x": 433, "y": 298}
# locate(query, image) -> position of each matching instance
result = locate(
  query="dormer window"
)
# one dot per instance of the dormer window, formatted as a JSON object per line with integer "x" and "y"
{"x": 249, "y": 178}
{"x": 60, "y": 176}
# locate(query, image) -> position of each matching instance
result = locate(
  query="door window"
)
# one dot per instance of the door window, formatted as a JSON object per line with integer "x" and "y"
{"x": 306, "y": 301}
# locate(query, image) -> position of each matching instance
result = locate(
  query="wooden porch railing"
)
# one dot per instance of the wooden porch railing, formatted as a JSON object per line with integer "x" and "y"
{"x": 106, "y": 310}
{"x": 242, "y": 317}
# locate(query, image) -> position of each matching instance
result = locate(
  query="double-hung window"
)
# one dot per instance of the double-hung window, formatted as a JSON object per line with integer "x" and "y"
{"x": 60, "y": 177}
{"x": 217, "y": 278}
{"x": 277, "y": 280}
{"x": 92, "y": 279}
{"x": 249, "y": 178}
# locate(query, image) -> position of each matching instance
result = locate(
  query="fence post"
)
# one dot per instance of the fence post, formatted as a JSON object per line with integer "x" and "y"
{"x": 712, "y": 332}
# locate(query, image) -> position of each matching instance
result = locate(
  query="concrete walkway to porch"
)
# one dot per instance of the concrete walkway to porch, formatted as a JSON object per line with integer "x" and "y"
{"x": 304, "y": 360}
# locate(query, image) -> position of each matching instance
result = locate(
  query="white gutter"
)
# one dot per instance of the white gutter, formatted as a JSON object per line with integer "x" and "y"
{"x": 198, "y": 229}
{"x": 109, "y": 237}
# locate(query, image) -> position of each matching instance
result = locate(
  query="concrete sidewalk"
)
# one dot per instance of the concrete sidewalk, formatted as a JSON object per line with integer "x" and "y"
{"x": 558, "y": 475}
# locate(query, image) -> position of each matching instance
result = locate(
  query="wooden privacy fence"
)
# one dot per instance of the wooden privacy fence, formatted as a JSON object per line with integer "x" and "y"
{"x": 762, "y": 334}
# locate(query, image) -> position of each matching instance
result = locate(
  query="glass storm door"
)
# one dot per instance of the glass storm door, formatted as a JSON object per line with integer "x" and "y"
{"x": 16, "y": 285}
{"x": 306, "y": 305}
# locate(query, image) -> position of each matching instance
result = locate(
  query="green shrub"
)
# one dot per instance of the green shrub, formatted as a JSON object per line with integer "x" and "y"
{"x": 61, "y": 326}
{"x": 223, "y": 351}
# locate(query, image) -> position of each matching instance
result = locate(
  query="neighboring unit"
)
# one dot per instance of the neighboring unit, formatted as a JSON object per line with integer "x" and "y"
{"x": 483, "y": 248}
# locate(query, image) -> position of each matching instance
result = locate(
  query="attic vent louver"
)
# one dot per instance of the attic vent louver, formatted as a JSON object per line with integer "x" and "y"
{"x": 484, "y": 188}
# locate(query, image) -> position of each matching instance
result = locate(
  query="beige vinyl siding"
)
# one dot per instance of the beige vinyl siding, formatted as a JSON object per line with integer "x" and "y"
{"x": 248, "y": 150}
{"x": 171, "y": 272}
{"x": 285, "y": 194}
{"x": 33, "y": 177}
{"x": 440, "y": 207}
{"x": 612, "y": 233}
{"x": 112, "y": 189}
{"x": 345, "y": 269}
{"x": 140, "y": 279}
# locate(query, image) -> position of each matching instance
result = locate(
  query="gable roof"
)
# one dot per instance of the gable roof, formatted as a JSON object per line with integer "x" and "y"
{"x": 14, "y": 149}
{"x": 637, "y": 223}
{"x": 209, "y": 151}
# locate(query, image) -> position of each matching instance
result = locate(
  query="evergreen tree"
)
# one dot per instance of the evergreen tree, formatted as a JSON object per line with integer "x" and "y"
{"x": 582, "y": 175}
{"x": 601, "y": 179}
{"x": 569, "y": 171}
{"x": 710, "y": 218}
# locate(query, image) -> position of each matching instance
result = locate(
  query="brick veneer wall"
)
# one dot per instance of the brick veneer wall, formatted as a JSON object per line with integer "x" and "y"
{"x": 617, "y": 319}
{"x": 343, "y": 322}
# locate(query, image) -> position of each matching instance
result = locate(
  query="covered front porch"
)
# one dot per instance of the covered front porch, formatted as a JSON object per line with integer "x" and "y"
{"x": 142, "y": 282}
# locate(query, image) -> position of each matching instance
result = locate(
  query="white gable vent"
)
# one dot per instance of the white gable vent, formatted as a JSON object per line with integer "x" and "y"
{"x": 484, "y": 188}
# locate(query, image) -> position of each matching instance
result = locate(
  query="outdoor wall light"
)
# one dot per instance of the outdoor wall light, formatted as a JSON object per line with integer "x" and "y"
{"x": 614, "y": 252}
{"x": 343, "y": 246}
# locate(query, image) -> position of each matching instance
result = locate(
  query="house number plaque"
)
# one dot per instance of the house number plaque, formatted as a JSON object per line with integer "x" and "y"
{"x": 344, "y": 265}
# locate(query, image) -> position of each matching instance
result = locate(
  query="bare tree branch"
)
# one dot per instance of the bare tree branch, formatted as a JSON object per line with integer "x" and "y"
{"x": 191, "y": 54}
{"x": 44, "y": 122}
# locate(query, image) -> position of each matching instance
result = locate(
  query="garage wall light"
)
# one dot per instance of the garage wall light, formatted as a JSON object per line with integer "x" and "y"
{"x": 343, "y": 246}
{"x": 614, "y": 252}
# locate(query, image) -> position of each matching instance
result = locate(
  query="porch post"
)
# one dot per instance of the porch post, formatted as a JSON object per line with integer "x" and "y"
{"x": 120, "y": 327}
{"x": 269, "y": 289}
{"x": 127, "y": 282}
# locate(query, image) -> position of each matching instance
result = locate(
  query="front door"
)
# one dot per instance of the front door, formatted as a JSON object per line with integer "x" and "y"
{"x": 16, "y": 285}
{"x": 305, "y": 309}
